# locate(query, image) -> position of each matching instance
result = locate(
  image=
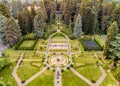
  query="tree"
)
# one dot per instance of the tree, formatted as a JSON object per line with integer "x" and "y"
{"x": 69, "y": 11}
{"x": 50, "y": 7}
{"x": 14, "y": 10}
{"x": 39, "y": 25}
{"x": 2, "y": 27}
{"x": 89, "y": 19}
{"x": 116, "y": 15}
{"x": 106, "y": 20}
{"x": 12, "y": 31}
{"x": 25, "y": 21}
{"x": 32, "y": 14}
{"x": 78, "y": 27}
{"x": 114, "y": 49}
{"x": 4, "y": 10}
{"x": 19, "y": 5}
{"x": 112, "y": 32}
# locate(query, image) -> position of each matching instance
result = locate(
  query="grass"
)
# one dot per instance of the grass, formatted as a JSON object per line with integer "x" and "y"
{"x": 58, "y": 39}
{"x": 26, "y": 70}
{"x": 87, "y": 67}
{"x": 69, "y": 79}
{"x": 85, "y": 63}
{"x": 99, "y": 40}
{"x": 27, "y": 43}
{"x": 45, "y": 79}
{"x": 11, "y": 53}
{"x": 33, "y": 55}
{"x": 116, "y": 71}
{"x": 6, "y": 74}
{"x": 109, "y": 80}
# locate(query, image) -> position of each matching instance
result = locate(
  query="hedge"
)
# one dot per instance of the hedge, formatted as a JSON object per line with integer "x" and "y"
{"x": 17, "y": 46}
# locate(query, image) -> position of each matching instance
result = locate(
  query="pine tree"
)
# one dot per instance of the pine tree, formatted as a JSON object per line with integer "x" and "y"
{"x": 89, "y": 19}
{"x": 116, "y": 15}
{"x": 2, "y": 27}
{"x": 112, "y": 32}
{"x": 32, "y": 14}
{"x": 4, "y": 10}
{"x": 39, "y": 25}
{"x": 25, "y": 21}
{"x": 12, "y": 31}
{"x": 14, "y": 10}
{"x": 78, "y": 27}
{"x": 19, "y": 5}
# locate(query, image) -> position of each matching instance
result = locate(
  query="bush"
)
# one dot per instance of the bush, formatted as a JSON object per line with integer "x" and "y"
{"x": 93, "y": 81}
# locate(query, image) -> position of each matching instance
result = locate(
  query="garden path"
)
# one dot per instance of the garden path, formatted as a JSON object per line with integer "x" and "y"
{"x": 58, "y": 77}
{"x": 35, "y": 76}
{"x": 14, "y": 74}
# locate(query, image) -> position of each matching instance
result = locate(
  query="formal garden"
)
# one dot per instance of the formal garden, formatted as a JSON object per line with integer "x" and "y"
{"x": 60, "y": 43}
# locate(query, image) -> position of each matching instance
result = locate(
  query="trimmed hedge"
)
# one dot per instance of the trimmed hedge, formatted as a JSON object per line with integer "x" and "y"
{"x": 17, "y": 46}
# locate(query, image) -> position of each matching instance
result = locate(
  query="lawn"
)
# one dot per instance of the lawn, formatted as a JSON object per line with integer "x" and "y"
{"x": 109, "y": 80}
{"x": 33, "y": 55}
{"x": 70, "y": 79}
{"x": 87, "y": 67}
{"x": 85, "y": 64}
{"x": 58, "y": 39}
{"x": 45, "y": 79}
{"x": 6, "y": 74}
{"x": 26, "y": 70}
{"x": 12, "y": 54}
{"x": 27, "y": 44}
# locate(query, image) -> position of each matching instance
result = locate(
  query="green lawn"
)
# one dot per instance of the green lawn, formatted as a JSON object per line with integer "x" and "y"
{"x": 58, "y": 39}
{"x": 12, "y": 54}
{"x": 109, "y": 80}
{"x": 6, "y": 74}
{"x": 87, "y": 67}
{"x": 70, "y": 79}
{"x": 27, "y": 43}
{"x": 26, "y": 70}
{"x": 45, "y": 79}
{"x": 33, "y": 55}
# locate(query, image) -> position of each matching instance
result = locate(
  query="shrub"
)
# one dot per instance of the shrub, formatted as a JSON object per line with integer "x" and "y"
{"x": 93, "y": 81}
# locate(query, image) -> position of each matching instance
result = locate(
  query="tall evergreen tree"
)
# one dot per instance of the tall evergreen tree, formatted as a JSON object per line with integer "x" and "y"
{"x": 116, "y": 15}
{"x": 4, "y": 10}
{"x": 89, "y": 19}
{"x": 39, "y": 25}
{"x": 12, "y": 31}
{"x": 69, "y": 11}
{"x": 2, "y": 27}
{"x": 112, "y": 32}
{"x": 14, "y": 10}
{"x": 78, "y": 27}
{"x": 114, "y": 49}
{"x": 25, "y": 21}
